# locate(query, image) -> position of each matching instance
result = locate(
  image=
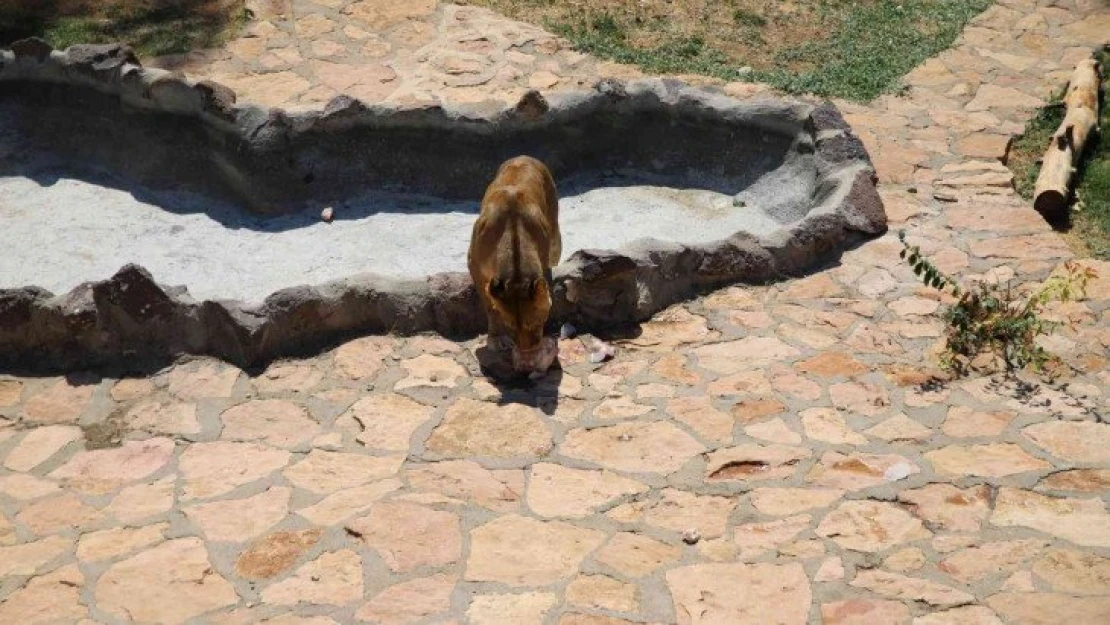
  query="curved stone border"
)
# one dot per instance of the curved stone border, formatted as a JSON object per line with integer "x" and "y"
{"x": 130, "y": 319}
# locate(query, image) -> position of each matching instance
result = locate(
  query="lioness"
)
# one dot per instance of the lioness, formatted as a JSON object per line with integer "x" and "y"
{"x": 515, "y": 243}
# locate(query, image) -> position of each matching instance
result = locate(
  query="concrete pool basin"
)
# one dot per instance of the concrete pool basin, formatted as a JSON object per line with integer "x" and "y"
{"x": 212, "y": 207}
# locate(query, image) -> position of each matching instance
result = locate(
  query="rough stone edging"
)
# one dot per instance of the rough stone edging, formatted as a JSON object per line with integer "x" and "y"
{"x": 129, "y": 319}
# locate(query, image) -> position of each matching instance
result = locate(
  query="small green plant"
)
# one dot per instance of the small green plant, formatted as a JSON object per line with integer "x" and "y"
{"x": 608, "y": 27}
{"x": 747, "y": 18}
{"x": 997, "y": 320}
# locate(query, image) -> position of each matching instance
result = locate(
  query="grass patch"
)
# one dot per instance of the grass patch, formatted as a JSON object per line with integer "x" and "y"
{"x": 604, "y": 37}
{"x": 875, "y": 46}
{"x": 151, "y": 27}
{"x": 1089, "y": 233}
{"x": 745, "y": 17}
{"x": 836, "y": 48}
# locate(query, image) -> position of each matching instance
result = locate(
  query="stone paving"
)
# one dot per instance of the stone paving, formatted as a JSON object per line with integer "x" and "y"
{"x": 301, "y": 54}
{"x": 778, "y": 454}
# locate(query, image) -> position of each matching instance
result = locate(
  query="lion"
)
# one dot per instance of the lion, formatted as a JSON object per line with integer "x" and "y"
{"x": 515, "y": 243}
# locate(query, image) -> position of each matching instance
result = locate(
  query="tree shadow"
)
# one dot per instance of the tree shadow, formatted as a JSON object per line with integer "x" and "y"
{"x": 151, "y": 27}
{"x": 30, "y": 18}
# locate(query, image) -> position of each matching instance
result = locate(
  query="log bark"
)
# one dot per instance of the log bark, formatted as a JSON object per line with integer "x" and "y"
{"x": 1050, "y": 195}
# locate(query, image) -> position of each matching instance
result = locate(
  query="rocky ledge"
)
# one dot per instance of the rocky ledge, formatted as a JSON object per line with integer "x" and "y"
{"x": 95, "y": 104}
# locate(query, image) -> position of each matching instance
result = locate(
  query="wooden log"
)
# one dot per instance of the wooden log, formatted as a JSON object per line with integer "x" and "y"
{"x": 1050, "y": 195}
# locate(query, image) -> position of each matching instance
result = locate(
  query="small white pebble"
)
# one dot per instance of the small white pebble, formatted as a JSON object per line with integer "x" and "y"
{"x": 897, "y": 472}
{"x": 327, "y": 214}
{"x": 691, "y": 536}
{"x": 601, "y": 351}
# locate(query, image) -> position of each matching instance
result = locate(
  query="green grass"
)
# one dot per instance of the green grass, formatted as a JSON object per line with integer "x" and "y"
{"x": 871, "y": 47}
{"x": 875, "y": 46}
{"x": 604, "y": 37}
{"x": 748, "y": 18}
{"x": 1090, "y": 222}
{"x": 150, "y": 29}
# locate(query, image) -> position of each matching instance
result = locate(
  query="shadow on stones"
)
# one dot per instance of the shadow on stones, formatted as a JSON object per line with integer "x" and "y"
{"x": 620, "y": 333}
{"x": 84, "y": 378}
{"x": 1031, "y": 394}
{"x": 93, "y": 373}
{"x": 519, "y": 388}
